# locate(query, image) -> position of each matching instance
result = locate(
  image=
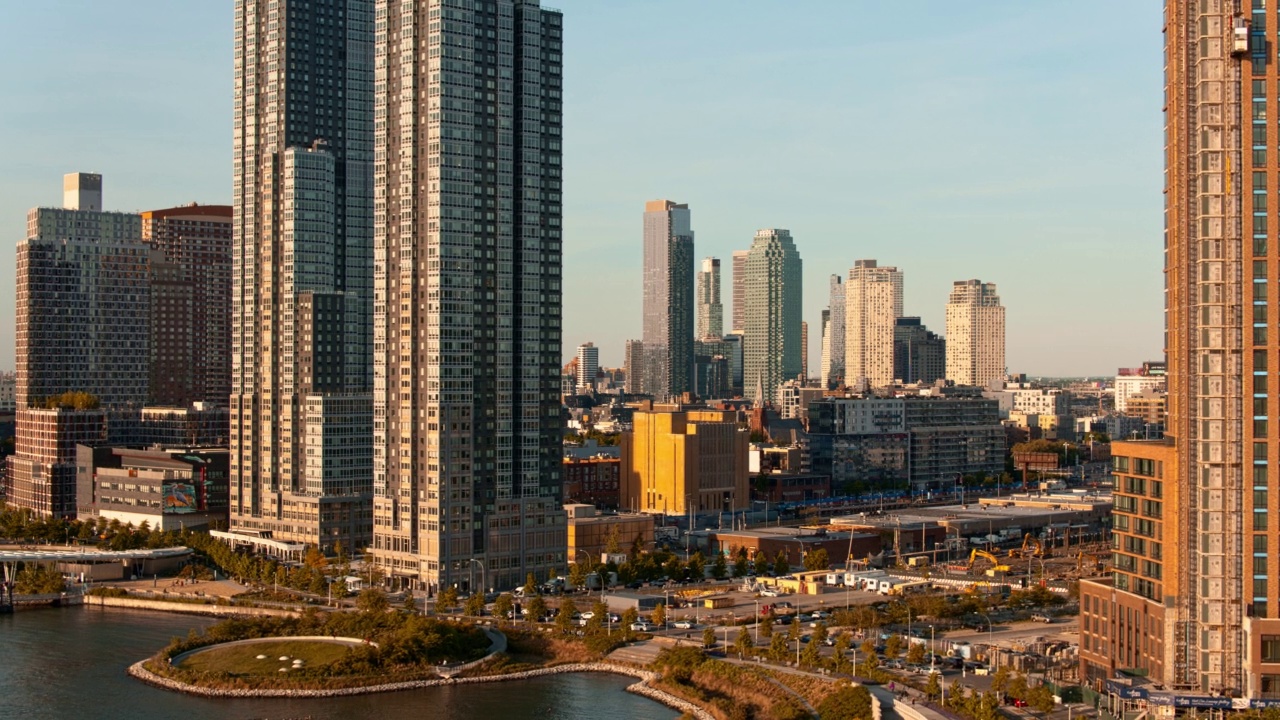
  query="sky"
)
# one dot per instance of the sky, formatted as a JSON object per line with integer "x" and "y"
{"x": 1010, "y": 141}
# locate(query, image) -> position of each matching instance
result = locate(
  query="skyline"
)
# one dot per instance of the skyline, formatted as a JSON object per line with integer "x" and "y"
{"x": 1020, "y": 161}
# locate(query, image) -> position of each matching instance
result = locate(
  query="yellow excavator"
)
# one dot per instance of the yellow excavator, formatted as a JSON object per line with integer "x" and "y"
{"x": 997, "y": 568}
{"x": 1099, "y": 560}
{"x": 1031, "y": 547}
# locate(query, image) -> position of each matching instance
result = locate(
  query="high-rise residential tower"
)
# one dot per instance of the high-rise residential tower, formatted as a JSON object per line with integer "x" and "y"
{"x": 588, "y": 367}
{"x": 668, "y": 308}
{"x": 709, "y": 319}
{"x": 772, "y": 325}
{"x": 873, "y": 302}
{"x": 1197, "y": 563}
{"x": 975, "y": 334}
{"x": 832, "y": 371}
{"x": 467, "y": 429}
{"x": 302, "y": 271}
{"x": 739, "y": 289}
{"x": 191, "y": 306}
{"x": 919, "y": 356}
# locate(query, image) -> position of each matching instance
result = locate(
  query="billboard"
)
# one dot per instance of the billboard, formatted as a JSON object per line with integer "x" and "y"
{"x": 180, "y": 498}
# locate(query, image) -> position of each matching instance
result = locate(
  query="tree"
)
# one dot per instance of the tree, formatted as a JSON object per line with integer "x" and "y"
{"x": 762, "y": 563}
{"x": 868, "y": 647}
{"x": 660, "y": 615}
{"x": 840, "y": 653}
{"x": 314, "y": 558}
{"x": 766, "y": 625}
{"x": 530, "y": 585}
{"x": 743, "y": 645}
{"x": 673, "y": 568}
{"x": 1000, "y": 680}
{"x": 447, "y": 600}
{"x": 564, "y": 618}
{"x": 613, "y": 544}
{"x": 781, "y": 565}
{"x": 475, "y": 605}
{"x": 851, "y": 702}
{"x": 537, "y": 608}
{"x": 629, "y": 617}
{"x": 410, "y": 606}
{"x": 793, "y": 630}
{"x": 1017, "y": 688}
{"x": 811, "y": 655}
{"x": 816, "y": 560}
{"x": 933, "y": 688}
{"x": 915, "y": 653}
{"x": 373, "y": 601}
{"x": 577, "y": 574}
{"x": 696, "y": 568}
{"x": 1040, "y": 698}
{"x": 741, "y": 567}
{"x": 719, "y": 567}
{"x": 599, "y": 612}
{"x": 893, "y": 646}
{"x": 709, "y": 637}
{"x": 778, "y": 647}
{"x": 503, "y": 606}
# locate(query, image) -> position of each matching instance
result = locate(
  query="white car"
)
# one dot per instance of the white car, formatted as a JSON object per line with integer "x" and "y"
{"x": 641, "y": 627}
{"x": 685, "y": 624}
{"x": 587, "y": 615}
{"x": 768, "y": 593}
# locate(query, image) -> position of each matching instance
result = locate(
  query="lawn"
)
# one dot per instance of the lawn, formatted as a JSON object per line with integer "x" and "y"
{"x": 243, "y": 659}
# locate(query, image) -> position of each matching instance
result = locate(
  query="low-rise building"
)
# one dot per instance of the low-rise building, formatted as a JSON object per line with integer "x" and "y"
{"x": 590, "y": 531}
{"x": 167, "y": 489}
{"x": 795, "y": 543}
{"x": 676, "y": 461}
{"x": 592, "y": 480}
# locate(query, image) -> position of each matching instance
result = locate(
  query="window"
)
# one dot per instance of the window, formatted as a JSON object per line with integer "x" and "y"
{"x": 1259, "y": 360}
{"x": 1260, "y": 565}
{"x": 1259, "y": 520}
{"x": 1259, "y": 157}
{"x": 1260, "y": 543}
{"x": 1259, "y": 451}
{"x": 1259, "y": 246}
{"x": 1259, "y": 427}
{"x": 1259, "y": 266}
{"x": 1271, "y": 651}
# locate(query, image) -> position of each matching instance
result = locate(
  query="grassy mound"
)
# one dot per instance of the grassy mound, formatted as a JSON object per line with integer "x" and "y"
{"x": 240, "y": 660}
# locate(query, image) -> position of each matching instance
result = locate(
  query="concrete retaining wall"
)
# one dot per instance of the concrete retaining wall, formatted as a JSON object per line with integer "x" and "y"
{"x": 189, "y": 608}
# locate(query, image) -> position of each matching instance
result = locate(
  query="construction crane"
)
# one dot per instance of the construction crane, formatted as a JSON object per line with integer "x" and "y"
{"x": 995, "y": 561}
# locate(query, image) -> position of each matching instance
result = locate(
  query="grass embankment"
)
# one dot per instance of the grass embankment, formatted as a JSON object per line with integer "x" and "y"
{"x": 408, "y": 647}
{"x": 237, "y": 660}
{"x": 727, "y": 691}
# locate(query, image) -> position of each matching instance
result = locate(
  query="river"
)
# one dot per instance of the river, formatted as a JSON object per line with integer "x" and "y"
{"x": 70, "y": 663}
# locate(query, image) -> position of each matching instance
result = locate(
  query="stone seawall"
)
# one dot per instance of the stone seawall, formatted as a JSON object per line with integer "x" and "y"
{"x": 640, "y": 688}
{"x": 188, "y": 608}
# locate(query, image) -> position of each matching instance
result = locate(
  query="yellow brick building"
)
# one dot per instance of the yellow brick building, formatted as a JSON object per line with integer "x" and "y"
{"x": 677, "y": 460}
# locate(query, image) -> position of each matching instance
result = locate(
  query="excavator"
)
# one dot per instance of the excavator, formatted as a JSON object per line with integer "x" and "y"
{"x": 1031, "y": 547}
{"x": 1098, "y": 560}
{"x": 995, "y": 561}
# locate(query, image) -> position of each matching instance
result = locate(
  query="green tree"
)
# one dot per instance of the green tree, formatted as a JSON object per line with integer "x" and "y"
{"x": 741, "y": 567}
{"x": 630, "y": 616}
{"x": 933, "y": 687}
{"x": 793, "y": 629}
{"x": 1000, "y": 680}
{"x": 503, "y": 606}
{"x": 530, "y": 585}
{"x": 709, "y": 637}
{"x": 816, "y": 560}
{"x": 447, "y": 599}
{"x": 766, "y": 625}
{"x": 720, "y": 567}
{"x": 537, "y": 608}
{"x": 373, "y": 601}
{"x": 778, "y": 647}
{"x": 696, "y": 568}
{"x": 868, "y": 647}
{"x": 840, "y": 654}
{"x": 673, "y": 568}
{"x": 613, "y": 544}
{"x": 564, "y": 618}
{"x": 761, "y": 564}
{"x": 811, "y": 655}
{"x": 893, "y": 646}
{"x": 743, "y": 645}
{"x": 577, "y": 574}
{"x": 659, "y": 615}
{"x": 781, "y": 565}
{"x": 1040, "y": 699}
{"x": 851, "y": 702}
{"x": 409, "y": 606}
{"x": 1017, "y": 688}
{"x": 475, "y": 605}
{"x": 915, "y": 653}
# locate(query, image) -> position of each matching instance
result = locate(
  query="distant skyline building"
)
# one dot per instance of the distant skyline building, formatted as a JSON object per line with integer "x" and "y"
{"x": 709, "y": 318}
{"x": 873, "y": 303}
{"x": 668, "y": 304}
{"x": 739, "y": 289}
{"x": 832, "y": 371}
{"x": 824, "y": 353}
{"x": 975, "y": 334}
{"x": 773, "y": 310}
{"x": 804, "y": 349}
{"x": 919, "y": 356}
{"x": 588, "y": 366}
{"x": 467, "y": 323}
{"x": 302, "y": 272}
{"x": 191, "y": 304}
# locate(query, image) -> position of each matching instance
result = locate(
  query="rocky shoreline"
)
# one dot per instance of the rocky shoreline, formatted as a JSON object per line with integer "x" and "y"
{"x": 642, "y": 687}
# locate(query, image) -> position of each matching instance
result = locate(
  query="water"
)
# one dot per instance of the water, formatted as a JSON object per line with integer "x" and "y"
{"x": 70, "y": 663}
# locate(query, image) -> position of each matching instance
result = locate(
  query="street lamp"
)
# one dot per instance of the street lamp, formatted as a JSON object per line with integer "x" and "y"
{"x": 756, "y": 634}
{"x": 991, "y": 639}
{"x": 484, "y": 576}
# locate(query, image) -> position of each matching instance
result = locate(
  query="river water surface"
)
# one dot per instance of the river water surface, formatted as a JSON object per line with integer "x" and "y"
{"x": 70, "y": 663}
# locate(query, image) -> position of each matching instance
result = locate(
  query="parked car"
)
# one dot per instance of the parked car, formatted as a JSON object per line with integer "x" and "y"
{"x": 641, "y": 627}
{"x": 587, "y": 615}
{"x": 685, "y": 624}
{"x": 768, "y": 592}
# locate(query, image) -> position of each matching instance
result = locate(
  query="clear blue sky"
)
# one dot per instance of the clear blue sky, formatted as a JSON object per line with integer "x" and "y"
{"x": 1016, "y": 142}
